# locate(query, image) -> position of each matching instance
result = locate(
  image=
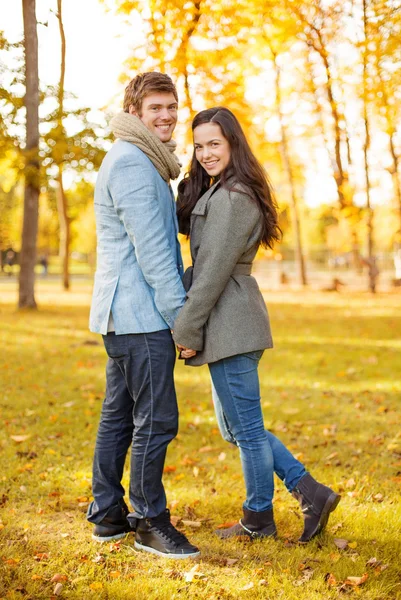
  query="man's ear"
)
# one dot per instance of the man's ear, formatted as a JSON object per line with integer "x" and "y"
{"x": 131, "y": 110}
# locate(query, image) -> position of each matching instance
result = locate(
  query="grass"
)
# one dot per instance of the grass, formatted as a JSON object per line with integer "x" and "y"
{"x": 331, "y": 390}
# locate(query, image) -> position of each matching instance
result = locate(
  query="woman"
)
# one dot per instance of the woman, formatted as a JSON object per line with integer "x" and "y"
{"x": 226, "y": 205}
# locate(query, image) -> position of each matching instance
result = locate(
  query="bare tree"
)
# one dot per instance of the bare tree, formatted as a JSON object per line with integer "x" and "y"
{"x": 370, "y": 259}
{"x": 31, "y": 197}
{"x": 285, "y": 153}
{"x": 62, "y": 208}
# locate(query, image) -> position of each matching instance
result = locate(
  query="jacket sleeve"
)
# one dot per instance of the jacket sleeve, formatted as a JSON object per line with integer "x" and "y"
{"x": 134, "y": 193}
{"x": 230, "y": 220}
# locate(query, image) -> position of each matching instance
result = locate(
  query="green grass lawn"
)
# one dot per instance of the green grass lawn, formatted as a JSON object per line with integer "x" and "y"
{"x": 331, "y": 391}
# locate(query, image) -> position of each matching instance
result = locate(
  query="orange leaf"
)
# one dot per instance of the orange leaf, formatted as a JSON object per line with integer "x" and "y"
{"x": 227, "y": 525}
{"x": 169, "y": 469}
{"x": 96, "y": 585}
{"x": 41, "y": 556}
{"x": 58, "y": 577}
{"x": 355, "y": 581}
{"x": 331, "y": 580}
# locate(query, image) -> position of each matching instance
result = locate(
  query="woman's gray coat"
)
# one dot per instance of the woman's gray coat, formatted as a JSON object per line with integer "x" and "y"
{"x": 225, "y": 313}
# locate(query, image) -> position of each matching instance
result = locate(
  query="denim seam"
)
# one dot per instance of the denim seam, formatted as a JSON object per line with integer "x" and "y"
{"x": 151, "y": 424}
{"x": 239, "y": 421}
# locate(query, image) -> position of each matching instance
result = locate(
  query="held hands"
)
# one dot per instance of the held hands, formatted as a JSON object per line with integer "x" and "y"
{"x": 185, "y": 352}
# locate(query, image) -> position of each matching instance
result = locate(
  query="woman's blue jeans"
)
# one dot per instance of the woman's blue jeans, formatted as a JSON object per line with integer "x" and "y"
{"x": 236, "y": 397}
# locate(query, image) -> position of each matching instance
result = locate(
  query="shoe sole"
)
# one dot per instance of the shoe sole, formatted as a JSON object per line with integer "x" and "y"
{"x": 158, "y": 553}
{"x": 109, "y": 538}
{"x": 329, "y": 507}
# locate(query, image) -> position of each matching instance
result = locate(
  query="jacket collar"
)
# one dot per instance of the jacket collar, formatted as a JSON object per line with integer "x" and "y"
{"x": 200, "y": 206}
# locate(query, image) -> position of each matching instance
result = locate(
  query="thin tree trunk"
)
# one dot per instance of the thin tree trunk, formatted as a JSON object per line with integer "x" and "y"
{"x": 32, "y": 185}
{"x": 64, "y": 221}
{"x": 300, "y": 260}
{"x": 371, "y": 259}
{"x": 340, "y": 173}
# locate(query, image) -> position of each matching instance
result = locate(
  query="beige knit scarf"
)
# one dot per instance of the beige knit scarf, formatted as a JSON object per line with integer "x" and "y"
{"x": 131, "y": 129}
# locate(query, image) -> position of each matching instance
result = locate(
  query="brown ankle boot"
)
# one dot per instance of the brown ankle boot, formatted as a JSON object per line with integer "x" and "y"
{"x": 317, "y": 502}
{"x": 253, "y": 524}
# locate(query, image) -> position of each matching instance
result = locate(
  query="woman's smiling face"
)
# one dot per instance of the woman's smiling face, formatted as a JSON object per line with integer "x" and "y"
{"x": 212, "y": 150}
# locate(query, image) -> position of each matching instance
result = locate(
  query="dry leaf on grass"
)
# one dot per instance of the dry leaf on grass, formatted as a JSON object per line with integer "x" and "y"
{"x": 340, "y": 543}
{"x": 115, "y": 574}
{"x": 41, "y": 556}
{"x": 193, "y": 524}
{"x": 18, "y": 439}
{"x": 248, "y": 586}
{"x": 175, "y": 520}
{"x": 96, "y": 585}
{"x": 330, "y": 579}
{"x": 194, "y": 573}
{"x": 58, "y": 588}
{"x": 226, "y": 525}
{"x": 58, "y": 577}
{"x": 355, "y": 581}
{"x": 307, "y": 574}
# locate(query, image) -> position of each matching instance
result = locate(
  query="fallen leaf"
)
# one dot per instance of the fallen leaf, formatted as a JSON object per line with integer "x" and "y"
{"x": 115, "y": 574}
{"x": 41, "y": 556}
{"x": 58, "y": 577}
{"x": 353, "y": 545}
{"x": 222, "y": 456}
{"x": 355, "y": 581}
{"x": 330, "y": 579}
{"x": 96, "y": 585}
{"x": 36, "y": 577}
{"x": 306, "y": 576}
{"x": 205, "y": 449}
{"x": 58, "y": 589}
{"x": 191, "y": 523}
{"x": 340, "y": 543}
{"x": 99, "y": 559}
{"x": 175, "y": 520}
{"x": 263, "y": 582}
{"x": 193, "y": 573}
{"x": 18, "y": 439}
{"x": 169, "y": 469}
{"x": 231, "y": 561}
{"x": 226, "y": 525}
{"x": 248, "y": 586}
{"x": 378, "y": 497}
{"x": 195, "y": 471}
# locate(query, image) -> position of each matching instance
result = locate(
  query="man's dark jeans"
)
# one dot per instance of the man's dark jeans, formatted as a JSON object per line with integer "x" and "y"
{"x": 140, "y": 407}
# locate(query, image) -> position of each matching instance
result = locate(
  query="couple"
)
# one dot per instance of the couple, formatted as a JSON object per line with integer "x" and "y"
{"x": 141, "y": 308}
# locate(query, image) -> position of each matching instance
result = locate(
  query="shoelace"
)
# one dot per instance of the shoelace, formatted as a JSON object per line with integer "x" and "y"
{"x": 168, "y": 531}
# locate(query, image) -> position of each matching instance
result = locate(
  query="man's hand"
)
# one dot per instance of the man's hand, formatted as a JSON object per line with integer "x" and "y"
{"x": 185, "y": 352}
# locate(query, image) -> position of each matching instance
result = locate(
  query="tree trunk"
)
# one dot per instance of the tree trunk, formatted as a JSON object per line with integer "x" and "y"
{"x": 300, "y": 260}
{"x": 32, "y": 185}
{"x": 371, "y": 263}
{"x": 64, "y": 221}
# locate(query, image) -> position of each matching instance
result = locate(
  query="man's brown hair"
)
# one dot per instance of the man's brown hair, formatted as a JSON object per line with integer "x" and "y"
{"x": 145, "y": 84}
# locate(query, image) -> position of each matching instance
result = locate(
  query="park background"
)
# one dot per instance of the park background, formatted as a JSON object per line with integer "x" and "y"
{"x": 316, "y": 86}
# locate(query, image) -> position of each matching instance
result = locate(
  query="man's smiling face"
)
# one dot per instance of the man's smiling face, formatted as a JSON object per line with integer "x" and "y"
{"x": 159, "y": 114}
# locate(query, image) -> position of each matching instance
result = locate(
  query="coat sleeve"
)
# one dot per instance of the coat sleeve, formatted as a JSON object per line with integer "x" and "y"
{"x": 134, "y": 193}
{"x": 230, "y": 220}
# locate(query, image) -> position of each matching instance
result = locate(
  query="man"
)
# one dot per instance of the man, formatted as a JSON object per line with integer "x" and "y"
{"x": 137, "y": 295}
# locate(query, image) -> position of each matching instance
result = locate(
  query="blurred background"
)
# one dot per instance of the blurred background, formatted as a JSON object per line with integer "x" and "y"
{"x": 315, "y": 84}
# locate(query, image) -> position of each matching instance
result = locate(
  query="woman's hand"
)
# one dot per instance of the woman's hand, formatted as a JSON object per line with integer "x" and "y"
{"x": 185, "y": 352}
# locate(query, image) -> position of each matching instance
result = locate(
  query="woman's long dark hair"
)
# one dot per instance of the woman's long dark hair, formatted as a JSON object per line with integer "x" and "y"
{"x": 243, "y": 169}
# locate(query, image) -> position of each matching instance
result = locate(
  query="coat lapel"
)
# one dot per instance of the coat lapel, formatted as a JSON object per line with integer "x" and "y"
{"x": 200, "y": 206}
